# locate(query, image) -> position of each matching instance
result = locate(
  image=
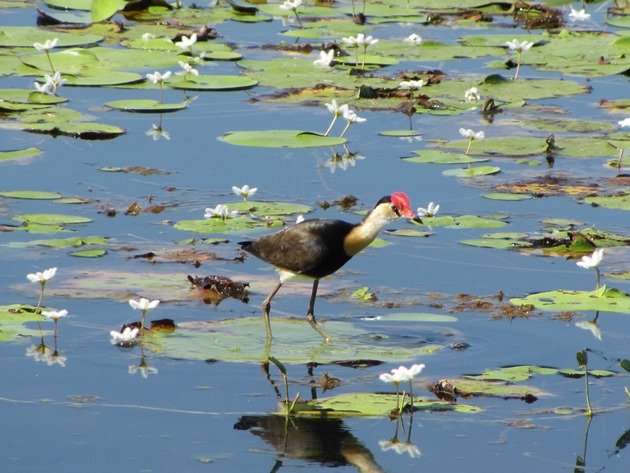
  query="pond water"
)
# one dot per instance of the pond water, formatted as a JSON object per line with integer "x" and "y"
{"x": 175, "y": 401}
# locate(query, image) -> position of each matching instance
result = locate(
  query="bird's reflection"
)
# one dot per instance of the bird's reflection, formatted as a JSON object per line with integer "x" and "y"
{"x": 325, "y": 441}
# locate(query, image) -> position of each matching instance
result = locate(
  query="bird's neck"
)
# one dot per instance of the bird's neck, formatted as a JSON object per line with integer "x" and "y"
{"x": 365, "y": 232}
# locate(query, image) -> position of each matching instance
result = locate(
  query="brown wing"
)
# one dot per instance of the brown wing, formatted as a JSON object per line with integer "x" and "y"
{"x": 313, "y": 247}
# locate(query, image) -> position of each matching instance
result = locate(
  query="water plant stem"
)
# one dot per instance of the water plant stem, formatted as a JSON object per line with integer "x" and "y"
{"x": 518, "y": 65}
{"x": 52, "y": 68}
{"x": 38, "y": 309}
{"x": 589, "y": 410}
{"x": 297, "y": 17}
{"x": 345, "y": 129}
{"x": 597, "y": 277}
{"x": 331, "y": 124}
{"x": 470, "y": 140}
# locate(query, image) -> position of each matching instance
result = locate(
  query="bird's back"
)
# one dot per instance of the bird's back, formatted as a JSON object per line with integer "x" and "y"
{"x": 313, "y": 248}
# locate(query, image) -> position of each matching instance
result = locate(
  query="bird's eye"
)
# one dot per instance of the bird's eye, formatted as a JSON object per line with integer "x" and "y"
{"x": 394, "y": 208}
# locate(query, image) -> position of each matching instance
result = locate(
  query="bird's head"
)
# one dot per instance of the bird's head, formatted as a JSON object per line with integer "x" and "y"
{"x": 397, "y": 205}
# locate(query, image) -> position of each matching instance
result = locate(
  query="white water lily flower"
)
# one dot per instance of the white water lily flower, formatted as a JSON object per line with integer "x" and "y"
{"x": 126, "y": 336}
{"x": 143, "y": 304}
{"x": 400, "y": 447}
{"x": 407, "y": 374}
{"x": 157, "y": 132}
{"x": 54, "y": 314}
{"x": 220, "y": 211}
{"x": 412, "y": 84}
{"x": 413, "y": 39}
{"x": 337, "y": 110}
{"x": 47, "y": 46}
{"x": 47, "y": 88}
{"x": 578, "y": 15}
{"x": 42, "y": 277}
{"x": 393, "y": 377}
{"x": 326, "y": 58}
{"x": 148, "y": 36}
{"x": 519, "y": 46}
{"x": 592, "y": 261}
{"x": 187, "y": 69}
{"x": 158, "y": 78}
{"x": 290, "y": 5}
{"x": 245, "y": 192}
{"x": 624, "y": 123}
{"x": 430, "y": 211}
{"x": 299, "y": 218}
{"x": 471, "y": 135}
{"x": 350, "y": 41}
{"x": 366, "y": 40}
{"x": 351, "y": 117}
{"x": 186, "y": 43}
{"x": 472, "y": 95}
{"x": 591, "y": 326}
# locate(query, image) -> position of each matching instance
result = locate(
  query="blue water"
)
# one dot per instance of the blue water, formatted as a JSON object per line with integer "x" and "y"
{"x": 93, "y": 415}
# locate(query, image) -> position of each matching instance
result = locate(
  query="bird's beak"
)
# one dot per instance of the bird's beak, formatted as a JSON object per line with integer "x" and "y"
{"x": 417, "y": 219}
{"x": 408, "y": 214}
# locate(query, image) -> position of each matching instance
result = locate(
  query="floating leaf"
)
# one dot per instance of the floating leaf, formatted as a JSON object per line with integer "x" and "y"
{"x": 73, "y": 242}
{"x": 620, "y": 201}
{"x": 269, "y": 208}
{"x": 12, "y": 318}
{"x": 93, "y": 253}
{"x": 506, "y": 196}
{"x": 51, "y": 219}
{"x": 145, "y": 106}
{"x": 281, "y": 139}
{"x": 603, "y": 299}
{"x": 472, "y": 221}
{"x": 374, "y": 404}
{"x": 242, "y": 340}
{"x": 19, "y": 154}
{"x": 218, "y": 225}
{"x": 409, "y": 232}
{"x": 496, "y": 243}
{"x": 503, "y": 146}
{"x": 442, "y": 157}
{"x": 26, "y": 36}
{"x": 35, "y": 195}
{"x": 472, "y": 171}
{"x": 400, "y": 133}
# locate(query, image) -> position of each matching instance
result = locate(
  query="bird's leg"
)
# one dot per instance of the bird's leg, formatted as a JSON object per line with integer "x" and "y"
{"x": 310, "y": 315}
{"x": 266, "y": 306}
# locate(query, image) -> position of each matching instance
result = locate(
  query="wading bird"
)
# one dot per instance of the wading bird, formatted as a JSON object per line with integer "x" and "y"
{"x": 319, "y": 247}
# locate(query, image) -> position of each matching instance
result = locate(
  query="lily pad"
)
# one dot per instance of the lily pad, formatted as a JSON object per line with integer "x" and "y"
{"x": 441, "y": 157}
{"x": 145, "y": 106}
{"x": 51, "y": 219}
{"x": 26, "y": 36}
{"x": 269, "y": 208}
{"x": 374, "y": 404}
{"x": 74, "y": 242}
{"x": 12, "y": 320}
{"x": 620, "y": 201}
{"x": 602, "y": 299}
{"x": 281, "y": 139}
{"x": 218, "y": 225}
{"x": 214, "y": 82}
{"x": 35, "y": 195}
{"x": 506, "y": 196}
{"x": 497, "y": 243}
{"x": 400, "y": 133}
{"x": 480, "y": 387}
{"x": 472, "y": 171}
{"x": 515, "y": 146}
{"x": 242, "y": 340}
{"x": 90, "y": 253}
{"x": 19, "y": 154}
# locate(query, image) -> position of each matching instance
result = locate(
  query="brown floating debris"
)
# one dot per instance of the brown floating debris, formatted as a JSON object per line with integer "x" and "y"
{"x": 219, "y": 288}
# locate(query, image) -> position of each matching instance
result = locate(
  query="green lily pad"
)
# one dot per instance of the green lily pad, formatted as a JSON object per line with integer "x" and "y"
{"x": 480, "y": 387}
{"x": 374, "y": 405}
{"x": 473, "y": 221}
{"x": 145, "y": 106}
{"x": 19, "y": 154}
{"x": 95, "y": 77}
{"x": 620, "y": 201}
{"x": 409, "y": 232}
{"x": 572, "y": 125}
{"x": 441, "y": 157}
{"x": 91, "y": 253}
{"x": 25, "y": 37}
{"x": 506, "y": 196}
{"x": 603, "y": 299}
{"x": 496, "y": 243}
{"x": 105, "y": 9}
{"x": 472, "y": 171}
{"x": 503, "y": 146}
{"x": 51, "y": 219}
{"x": 281, "y": 139}
{"x": 74, "y": 242}
{"x": 400, "y": 133}
{"x": 269, "y": 208}
{"x": 213, "y": 82}
{"x": 218, "y": 225}
{"x": 367, "y": 59}
{"x": 12, "y": 320}
{"x": 242, "y": 340}
{"x": 35, "y": 195}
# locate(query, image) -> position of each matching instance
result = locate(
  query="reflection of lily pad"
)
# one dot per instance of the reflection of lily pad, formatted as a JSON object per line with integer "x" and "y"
{"x": 242, "y": 340}
{"x": 603, "y": 299}
{"x": 281, "y": 139}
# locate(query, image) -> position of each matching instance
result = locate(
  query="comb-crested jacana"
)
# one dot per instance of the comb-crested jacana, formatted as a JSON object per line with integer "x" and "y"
{"x": 319, "y": 247}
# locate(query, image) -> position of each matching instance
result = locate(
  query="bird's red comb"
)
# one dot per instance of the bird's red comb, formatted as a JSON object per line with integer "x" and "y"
{"x": 400, "y": 200}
